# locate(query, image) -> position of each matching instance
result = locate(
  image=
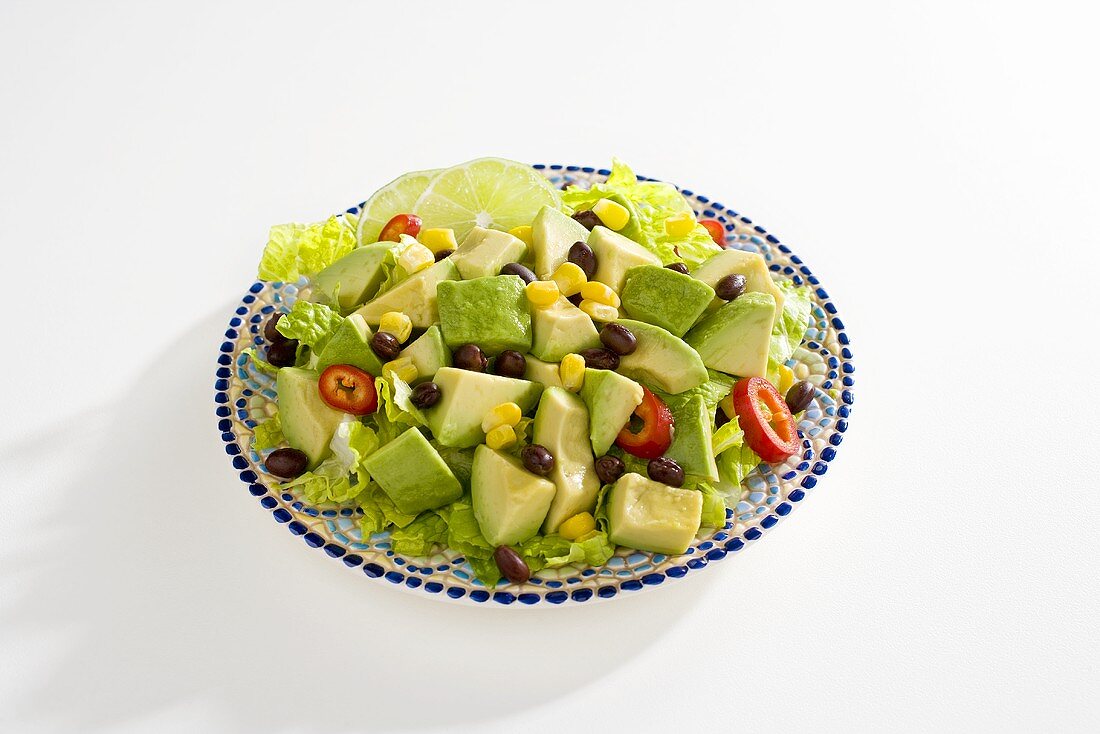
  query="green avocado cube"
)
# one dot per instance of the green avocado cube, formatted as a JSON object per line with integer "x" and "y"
{"x": 491, "y": 312}
{"x": 428, "y": 353}
{"x": 737, "y": 337}
{"x": 552, "y": 234}
{"x": 510, "y": 502}
{"x": 661, "y": 360}
{"x": 350, "y": 344}
{"x": 484, "y": 252}
{"x": 691, "y": 445}
{"x": 307, "y": 421}
{"x": 355, "y": 277}
{"x": 758, "y": 279}
{"x": 651, "y": 516}
{"x": 611, "y": 400}
{"x": 411, "y": 472}
{"x": 465, "y": 398}
{"x": 615, "y": 255}
{"x": 415, "y": 296}
{"x": 561, "y": 425}
{"x": 560, "y": 329}
{"x": 665, "y": 298}
{"x": 544, "y": 373}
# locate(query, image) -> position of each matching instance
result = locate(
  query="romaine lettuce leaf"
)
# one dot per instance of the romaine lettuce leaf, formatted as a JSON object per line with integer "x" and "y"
{"x": 714, "y": 507}
{"x": 379, "y": 512}
{"x": 261, "y": 364}
{"x": 310, "y": 323}
{"x": 294, "y": 250}
{"x": 394, "y": 273}
{"x": 269, "y": 434}
{"x": 351, "y": 443}
{"x": 395, "y": 396}
{"x": 594, "y": 549}
{"x": 419, "y": 537}
{"x": 734, "y": 464}
{"x": 717, "y": 386}
{"x": 728, "y": 436}
{"x": 792, "y": 323}
{"x": 328, "y": 483}
{"x": 464, "y": 535}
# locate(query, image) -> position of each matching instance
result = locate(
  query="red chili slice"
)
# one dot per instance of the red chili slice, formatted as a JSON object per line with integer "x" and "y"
{"x": 656, "y": 434}
{"x": 717, "y": 231}
{"x": 349, "y": 389}
{"x": 765, "y": 418}
{"x": 401, "y": 224}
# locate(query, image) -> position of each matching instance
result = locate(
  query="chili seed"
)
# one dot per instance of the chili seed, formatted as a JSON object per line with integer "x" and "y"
{"x": 600, "y": 359}
{"x": 666, "y": 471}
{"x": 287, "y": 463}
{"x": 470, "y": 357}
{"x": 730, "y": 287}
{"x": 582, "y": 256}
{"x": 510, "y": 363}
{"x": 588, "y": 218}
{"x": 425, "y": 395}
{"x": 537, "y": 459}
{"x": 609, "y": 468}
{"x": 521, "y": 270}
{"x": 678, "y": 267}
{"x": 512, "y": 565}
{"x": 799, "y": 396}
{"x": 618, "y": 339}
{"x": 385, "y": 345}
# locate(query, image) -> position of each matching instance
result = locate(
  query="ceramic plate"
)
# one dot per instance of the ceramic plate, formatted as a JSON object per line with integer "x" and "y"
{"x": 245, "y": 397}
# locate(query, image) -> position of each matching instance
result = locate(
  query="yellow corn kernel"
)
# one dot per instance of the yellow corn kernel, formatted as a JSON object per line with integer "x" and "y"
{"x": 613, "y": 214}
{"x": 543, "y": 293}
{"x": 396, "y": 323}
{"x": 571, "y": 372}
{"x": 786, "y": 379}
{"x": 596, "y": 291}
{"x": 522, "y": 233}
{"x": 577, "y": 526}
{"x": 505, "y": 414}
{"x": 415, "y": 258}
{"x": 679, "y": 225}
{"x": 500, "y": 437}
{"x": 402, "y": 367}
{"x": 599, "y": 311}
{"x": 570, "y": 278}
{"x": 438, "y": 239}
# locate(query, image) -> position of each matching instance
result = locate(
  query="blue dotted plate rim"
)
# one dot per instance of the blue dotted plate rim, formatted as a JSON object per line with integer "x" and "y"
{"x": 727, "y": 543}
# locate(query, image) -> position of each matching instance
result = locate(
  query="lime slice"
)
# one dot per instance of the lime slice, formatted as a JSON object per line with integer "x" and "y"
{"x": 397, "y": 197}
{"x": 488, "y": 192}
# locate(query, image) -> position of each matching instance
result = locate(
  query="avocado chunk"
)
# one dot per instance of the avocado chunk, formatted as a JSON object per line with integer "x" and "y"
{"x": 736, "y": 337}
{"x": 561, "y": 328}
{"x": 611, "y": 399}
{"x": 484, "y": 252}
{"x": 651, "y": 516}
{"x": 308, "y": 422}
{"x": 350, "y": 344}
{"x": 552, "y": 234}
{"x": 544, "y": 373}
{"x": 661, "y": 360}
{"x": 355, "y": 277}
{"x": 428, "y": 353}
{"x": 465, "y": 398}
{"x": 510, "y": 502}
{"x": 561, "y": 425}
{"x": 491, "y": 312}
{"x": 414, "y": 296}
{"x": 615, "y": 255}
{"x": 412, "y": 473}
{"x": 691, "y": 445}
{"x": 738, "y": 262}
{"x": 665, "y": 298}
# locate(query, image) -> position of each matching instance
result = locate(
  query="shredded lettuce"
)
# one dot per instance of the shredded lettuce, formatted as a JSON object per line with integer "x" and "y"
{"x": 310, "y": 323}
{"x": 650, "y": 203}
{"x": 261, "y": 364}
{"x": 396, "y": 397}
{"x": 269, "y": 434}
{"x": 379, "y": 511}
{"x": 714, "y": 507}
{"x": 419, "y": 537}
{"x": 394, "y": 273}
{"x": 351, "y": 443}
{"x": 792, "y": 323}
{"x": 464, "y": 535}
{"x": 328, "y": 483}
{"x": 594, "y": 549}
{"x": 728, "y": 436}
{"x": 294, "y": 250}
{"x": 717, "y": 386}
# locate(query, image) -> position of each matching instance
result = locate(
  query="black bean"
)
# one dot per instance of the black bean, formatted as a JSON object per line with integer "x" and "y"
{"x": 425, "y": 395}
{"x": 730, "y": 287}
{"x": 618, "y": 339}
{"x": 582, "y": 256}
{"x": 287, "y": 463}
{"x": 270, "y": 332}
{"x": 521, "y": 270}
{"x": 588, "y": 218}
{"x": 666, "y": 471}
{"x": 609, "y": 468}
{"x": 599, "y": 358}
{"x": 537, "y": 459}
{"x": 678, "y": 267}
{"x": 470, "y": 357}
{"x": 575, "y": 299}
{"x": 512, "y": 565}
{"x": 284, "y": 353}
{"x": 510, "y": 363}
{"x": 720, "y": 418}
{"x": 443, "y": 254}
{"x": 800, "y": 395}
{"x": 385, "y": 345}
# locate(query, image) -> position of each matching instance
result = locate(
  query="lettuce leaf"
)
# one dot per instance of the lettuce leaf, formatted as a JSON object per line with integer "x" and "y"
{"x": 792, "y": 323}
{"x": 717, "y": 386}
{"x": 379, "y": 512}
{"x": 464, "y": 535}
{"x": 650, "y": 203}
{"x": 294, "y": 250}
{"x": 261, "y": 364}
{"x": 328, "y": 483}
{"x": 734, "y": 464}
{"x": 714, "y": 507}
{"x": 420, "y": 536}
{"x": 269, "y": 434}
{"x": 728, "y": 436}
{"x": 396, "y": 397}
{"x": 594, "y": 549}
{"x": 460, "y": 461}
{"x": 310, "y": 323}
{"x": 394, "y": 273}
{"x": 351, "y": 443}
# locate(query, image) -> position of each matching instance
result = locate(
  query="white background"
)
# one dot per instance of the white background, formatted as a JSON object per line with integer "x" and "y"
{"x": 934, "y": 163}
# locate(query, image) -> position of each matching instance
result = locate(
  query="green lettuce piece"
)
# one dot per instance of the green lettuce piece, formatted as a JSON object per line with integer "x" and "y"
{"x": 734, "y": 464}
{"x": 310, "y": 323}
{"x": 650, "y": 203}
{"x": 394, "y": 273}
{"x": 792, "y": 323}
{"x": 717, "y": 386}
{"x": 294, "y": 250}
{"x": 460, "y": 462}
{"x": 420, "y": 536}
{"x": 728, "y": 436}
{"x": 269, "y": 434}
{"x": 600, "y": 513}
{"x": 261, "y": 364}
{"x": 595, "y": 550}
{"x": 464, "y": 535}
{"x": 352, "y": 443}
{"x": 395, "y": 395}
{"x": 536, "y": 550}
{"x": 714, "y": 507}
{"x": 328, "y": 483}
{"x": 379, "y": 512}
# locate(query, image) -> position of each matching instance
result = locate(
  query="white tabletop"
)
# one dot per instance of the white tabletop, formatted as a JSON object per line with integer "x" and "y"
{"x": 936, "y": 165}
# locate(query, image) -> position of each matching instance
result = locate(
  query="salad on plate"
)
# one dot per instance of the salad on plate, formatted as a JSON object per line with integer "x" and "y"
{"x": 529, "y": 377}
